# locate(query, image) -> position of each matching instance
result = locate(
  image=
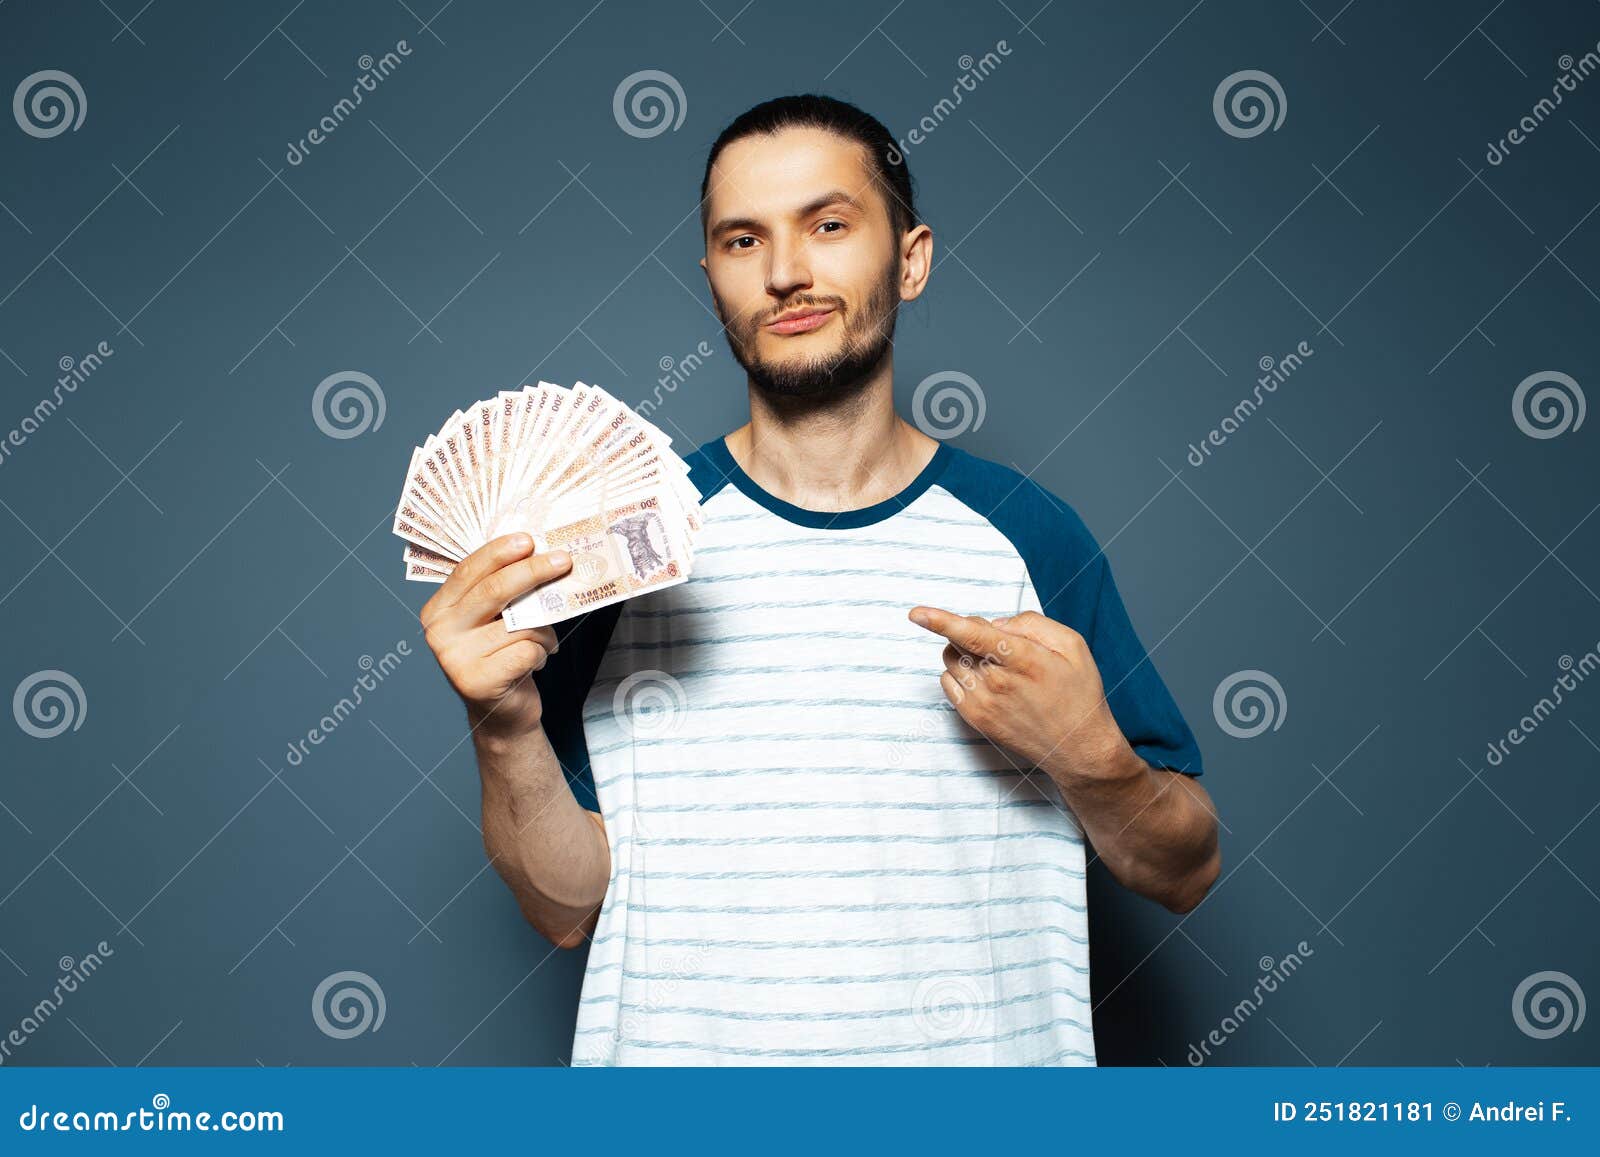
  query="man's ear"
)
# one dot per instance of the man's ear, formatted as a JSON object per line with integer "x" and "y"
{"x": 916, "y": 262}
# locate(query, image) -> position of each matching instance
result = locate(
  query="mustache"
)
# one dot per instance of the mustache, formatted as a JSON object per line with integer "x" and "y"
{"x": 761, "y": 315}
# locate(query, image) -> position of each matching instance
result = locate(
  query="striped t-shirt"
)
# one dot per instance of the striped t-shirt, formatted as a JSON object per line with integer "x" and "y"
{"x": 814, "y": 859}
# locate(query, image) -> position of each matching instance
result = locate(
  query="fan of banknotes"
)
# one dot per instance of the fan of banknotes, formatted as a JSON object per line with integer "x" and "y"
{"x": 576, "y": 469}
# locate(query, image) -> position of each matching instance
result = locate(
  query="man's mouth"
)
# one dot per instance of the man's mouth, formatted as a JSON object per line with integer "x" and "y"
{"x": 801, "y": 321}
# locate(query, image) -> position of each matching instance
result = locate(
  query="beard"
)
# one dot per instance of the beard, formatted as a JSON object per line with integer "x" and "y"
{"x": 823, "y": 378}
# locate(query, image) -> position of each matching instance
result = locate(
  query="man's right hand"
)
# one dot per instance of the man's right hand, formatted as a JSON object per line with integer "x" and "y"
{"x": 487, "y": 664}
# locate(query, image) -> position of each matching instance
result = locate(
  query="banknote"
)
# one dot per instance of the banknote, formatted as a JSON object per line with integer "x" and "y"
{"x": 574, "y": 467}
{"x": 617, "y": 552}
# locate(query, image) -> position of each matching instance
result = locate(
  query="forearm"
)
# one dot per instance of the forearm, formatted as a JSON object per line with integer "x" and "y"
{"x": 550, "y": 850}
{"x": 1155, "y": 829}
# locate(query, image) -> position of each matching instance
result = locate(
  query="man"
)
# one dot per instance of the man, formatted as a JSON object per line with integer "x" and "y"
{"x": 845, "y": 773}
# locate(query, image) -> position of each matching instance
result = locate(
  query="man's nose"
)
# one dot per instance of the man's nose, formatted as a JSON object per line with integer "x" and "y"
{"x": 789, "y": 270}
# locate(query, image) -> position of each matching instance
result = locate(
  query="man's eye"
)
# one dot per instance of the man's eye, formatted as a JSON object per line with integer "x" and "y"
{"x": 734, "y": 244}
{"x": 825, "y": 224}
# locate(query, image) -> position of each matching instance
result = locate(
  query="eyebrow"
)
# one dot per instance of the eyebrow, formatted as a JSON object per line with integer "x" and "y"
{"x": 832, "y": 197}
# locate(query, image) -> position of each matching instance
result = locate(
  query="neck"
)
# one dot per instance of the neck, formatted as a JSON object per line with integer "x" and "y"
{"x": 841, "y": 455}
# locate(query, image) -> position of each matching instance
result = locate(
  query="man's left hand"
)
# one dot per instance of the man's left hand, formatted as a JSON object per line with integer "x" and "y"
{"x": 1030, "y": 685}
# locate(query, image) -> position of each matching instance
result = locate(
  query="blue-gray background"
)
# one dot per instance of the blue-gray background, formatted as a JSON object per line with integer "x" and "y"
{"x": 1381, "y": 537}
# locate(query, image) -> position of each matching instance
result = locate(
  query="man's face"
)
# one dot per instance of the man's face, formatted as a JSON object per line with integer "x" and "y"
{"x": 803, "y": 262}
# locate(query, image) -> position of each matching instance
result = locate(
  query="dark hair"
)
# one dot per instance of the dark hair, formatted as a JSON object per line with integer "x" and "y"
{"x": 888, "y": 164}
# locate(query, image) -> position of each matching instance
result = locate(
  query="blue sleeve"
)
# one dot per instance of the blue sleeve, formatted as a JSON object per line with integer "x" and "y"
{"x": 1074, "y": 584}
{"x": 1140, "y": 702}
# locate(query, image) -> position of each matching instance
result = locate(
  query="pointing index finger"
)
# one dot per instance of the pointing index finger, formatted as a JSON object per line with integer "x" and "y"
{"x": 973, "y": 635}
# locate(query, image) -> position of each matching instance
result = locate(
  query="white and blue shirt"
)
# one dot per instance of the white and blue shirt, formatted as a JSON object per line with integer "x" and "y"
{"x": 814, "y": 859}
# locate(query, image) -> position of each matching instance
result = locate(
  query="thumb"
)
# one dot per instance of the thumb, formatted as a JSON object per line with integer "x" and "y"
{"x": 1048, "y": 633}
